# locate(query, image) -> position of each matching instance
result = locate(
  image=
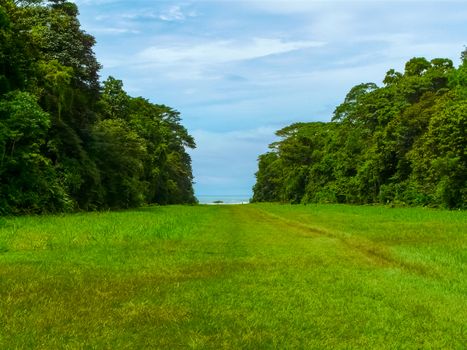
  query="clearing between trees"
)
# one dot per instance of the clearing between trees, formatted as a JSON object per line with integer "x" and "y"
{"x": 246, "y": 276}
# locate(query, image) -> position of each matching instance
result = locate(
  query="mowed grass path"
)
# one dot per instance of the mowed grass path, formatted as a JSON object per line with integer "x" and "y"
{"x": 235, "y": 277}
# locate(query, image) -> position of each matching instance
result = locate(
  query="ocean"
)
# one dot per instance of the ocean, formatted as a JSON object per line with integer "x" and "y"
{"x": 225, "y": 199}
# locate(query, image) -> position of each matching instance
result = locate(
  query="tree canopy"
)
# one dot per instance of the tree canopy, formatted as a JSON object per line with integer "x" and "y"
{"x": 404, "y": 142}
{"x": 68, "y": 141}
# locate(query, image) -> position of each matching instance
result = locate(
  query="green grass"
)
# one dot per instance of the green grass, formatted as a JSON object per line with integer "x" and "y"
{"x": 246, "y": 276}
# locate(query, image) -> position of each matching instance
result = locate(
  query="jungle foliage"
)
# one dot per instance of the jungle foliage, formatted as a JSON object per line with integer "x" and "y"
{"x": 68, "y": 142}
{"x": 404, "y": 143}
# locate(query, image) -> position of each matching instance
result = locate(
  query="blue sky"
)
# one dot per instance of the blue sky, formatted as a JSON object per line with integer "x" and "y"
{"x": 239, "y": 70}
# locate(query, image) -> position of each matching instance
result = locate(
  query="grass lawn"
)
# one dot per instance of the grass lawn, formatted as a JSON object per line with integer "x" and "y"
{"x": 246, "y": 276}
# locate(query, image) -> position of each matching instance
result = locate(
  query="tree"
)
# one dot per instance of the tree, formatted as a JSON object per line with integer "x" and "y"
{"x": 114, "y": 102}
{"x": 28, "y": 181}
{"x": 119, "y": 154}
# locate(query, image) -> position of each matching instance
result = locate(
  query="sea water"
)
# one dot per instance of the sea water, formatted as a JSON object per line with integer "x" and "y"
{"x": 225, "y": 199}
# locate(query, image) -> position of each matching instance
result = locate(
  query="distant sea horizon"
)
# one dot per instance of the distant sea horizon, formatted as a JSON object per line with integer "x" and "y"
{"x": 227, "y": 198}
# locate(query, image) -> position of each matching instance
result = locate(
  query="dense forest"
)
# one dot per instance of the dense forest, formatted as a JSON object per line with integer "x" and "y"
{"x": 402, "y": 143}
{"x": 69, "y": 142}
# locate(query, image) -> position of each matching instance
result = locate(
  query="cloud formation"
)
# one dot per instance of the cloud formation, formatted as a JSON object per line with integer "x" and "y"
{"x": 221, "y": 51}
{"x": 175, "y": 13}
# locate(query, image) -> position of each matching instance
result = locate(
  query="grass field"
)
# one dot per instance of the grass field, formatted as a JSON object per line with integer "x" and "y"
{"x": 245, "y": 276}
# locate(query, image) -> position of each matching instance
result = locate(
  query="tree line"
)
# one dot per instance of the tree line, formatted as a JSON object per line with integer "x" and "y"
{"x": 69, "y": 142}
{"x": 404, "y": 142}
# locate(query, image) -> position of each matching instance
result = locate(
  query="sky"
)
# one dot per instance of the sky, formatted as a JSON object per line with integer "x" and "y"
{"x": 237, "y": 71}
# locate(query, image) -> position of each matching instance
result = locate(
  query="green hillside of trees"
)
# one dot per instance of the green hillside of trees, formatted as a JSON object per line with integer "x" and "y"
{"x": 68, "y": 142}
{"x": 404, "y": 142}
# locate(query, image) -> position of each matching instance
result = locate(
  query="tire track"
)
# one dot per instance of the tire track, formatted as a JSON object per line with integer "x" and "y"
{"x": 377, "y": 254}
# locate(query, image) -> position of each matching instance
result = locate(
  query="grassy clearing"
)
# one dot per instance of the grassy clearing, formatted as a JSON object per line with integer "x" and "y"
{"x": 247, "y": 276}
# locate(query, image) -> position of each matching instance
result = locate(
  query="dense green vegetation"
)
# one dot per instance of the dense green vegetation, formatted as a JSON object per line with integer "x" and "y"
{"x": 69, "y": 142}
{"x": 235, "y": 277}
{"x": 403, "y": 142}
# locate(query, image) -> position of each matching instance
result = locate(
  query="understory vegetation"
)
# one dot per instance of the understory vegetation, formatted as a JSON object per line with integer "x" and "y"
{"x": 404, "y": 143}
{"x": 68, "y": 142}
{"x": 235, "y": 277}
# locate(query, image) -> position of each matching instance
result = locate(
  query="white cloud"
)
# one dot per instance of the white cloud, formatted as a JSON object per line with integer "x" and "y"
{"x": 221, "y": 51}
{"x": 231, "y": 137}
{"x": 110, "y": 30}
{"x": 94, "y": 2}
{"x": 312, "y": 6}
{"x": 169, "y": 14}
{"x": 286, "y": 7}
{"x": 174, "y": 13}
